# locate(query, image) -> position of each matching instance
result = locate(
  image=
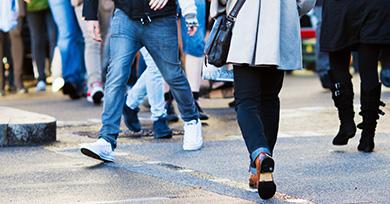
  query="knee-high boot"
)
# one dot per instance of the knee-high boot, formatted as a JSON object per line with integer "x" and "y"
{"x": 342, "y": 95}
{"x": 370, "y": 104}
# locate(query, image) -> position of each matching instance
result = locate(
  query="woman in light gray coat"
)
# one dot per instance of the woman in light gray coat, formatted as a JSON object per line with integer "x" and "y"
{"x": 266, "y": 40}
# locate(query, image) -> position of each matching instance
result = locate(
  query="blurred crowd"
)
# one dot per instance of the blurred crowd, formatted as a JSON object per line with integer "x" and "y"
{"x": 43, "y": 48}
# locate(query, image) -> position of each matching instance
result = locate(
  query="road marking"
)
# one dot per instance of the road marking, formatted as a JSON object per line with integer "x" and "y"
{"x": 129, "y": 200}
{"x": 225, "y": 181}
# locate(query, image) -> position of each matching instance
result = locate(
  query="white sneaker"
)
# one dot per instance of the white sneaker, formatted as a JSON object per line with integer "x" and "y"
{"x": 192, "y": 139}
{"x": 41, "y": 86}
{"x": 101, "y": 150}
{"x": 57, "y": 84}
{"x": 95, "y": 93}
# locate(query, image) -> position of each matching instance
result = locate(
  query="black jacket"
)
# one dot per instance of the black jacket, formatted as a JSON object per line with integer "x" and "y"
{"x": 135, "y": 9}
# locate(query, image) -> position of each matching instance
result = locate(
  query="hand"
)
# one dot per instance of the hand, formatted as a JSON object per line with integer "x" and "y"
{"x": 157, "y": 4}
{"x": 94, "y": 30}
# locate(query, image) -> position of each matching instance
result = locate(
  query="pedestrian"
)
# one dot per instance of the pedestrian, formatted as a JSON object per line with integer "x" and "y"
{"x": 136, "y": 24}
{"x": 14, "y": 13}
{"x": 363, "y": 26}
{"x": 93, "y": 51}
{"x": 193, "y": 48}
{"x": 71, "y": 45}
{"x": 43, "y": 32}
{"x": 265, "y": 42}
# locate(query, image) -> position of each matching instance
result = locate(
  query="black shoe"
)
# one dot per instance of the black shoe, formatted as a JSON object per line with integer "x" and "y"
{"x": 202, "y": 115}
{"x": 265, "y": 167}
{"x": 72, "y": 90}
{"x": 171, "y": 114}
{"x": 370, "y": 111}
{"x": 131, "y": 119}
{"x": 325, "y": 81}
{"x": 161, "y": 129}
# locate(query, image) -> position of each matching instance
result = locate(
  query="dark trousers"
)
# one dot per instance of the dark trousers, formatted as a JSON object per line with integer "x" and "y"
{"x": 17, "y": 51}
{"x": 258, "y": 106}
{"x": 43, "y": 32}
{"x": 368, "y": 65}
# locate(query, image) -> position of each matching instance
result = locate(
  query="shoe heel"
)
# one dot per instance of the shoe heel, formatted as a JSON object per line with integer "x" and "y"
{"x": 266, "y": 188}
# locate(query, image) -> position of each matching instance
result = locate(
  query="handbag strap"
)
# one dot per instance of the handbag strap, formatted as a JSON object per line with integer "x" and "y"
{"x": 237, "y": 7}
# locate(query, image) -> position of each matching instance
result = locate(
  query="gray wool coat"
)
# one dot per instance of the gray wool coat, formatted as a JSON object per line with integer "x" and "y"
{"x": 266, "y": 32}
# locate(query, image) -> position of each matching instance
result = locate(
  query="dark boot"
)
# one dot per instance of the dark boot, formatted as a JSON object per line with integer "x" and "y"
{"x": 370, "y": 104}
{"x": 342, "y": 95}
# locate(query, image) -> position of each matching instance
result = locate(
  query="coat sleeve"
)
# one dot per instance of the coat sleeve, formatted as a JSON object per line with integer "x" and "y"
{"x": 90, "y": 9}
{"x": 187, "y": 7}
{"x": 304, "y": 6}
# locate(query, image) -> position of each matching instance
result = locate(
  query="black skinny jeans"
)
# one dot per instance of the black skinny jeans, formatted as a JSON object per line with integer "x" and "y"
{"x": 257, "y": 105}
{"x": 368, "y": 56}
{"x": 43, "y": 32}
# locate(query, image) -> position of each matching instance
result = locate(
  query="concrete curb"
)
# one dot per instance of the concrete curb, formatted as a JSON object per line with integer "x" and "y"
{"x": 18, "y": 128}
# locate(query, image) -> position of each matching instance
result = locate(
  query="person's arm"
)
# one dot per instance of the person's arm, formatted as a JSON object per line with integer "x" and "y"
{"x": 90, "y": 10}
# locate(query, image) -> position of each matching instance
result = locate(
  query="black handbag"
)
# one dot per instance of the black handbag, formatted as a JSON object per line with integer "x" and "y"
{"x": 218, "y": 44}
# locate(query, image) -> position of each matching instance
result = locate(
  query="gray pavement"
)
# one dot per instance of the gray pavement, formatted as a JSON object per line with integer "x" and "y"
{"x": 308, "y": 168}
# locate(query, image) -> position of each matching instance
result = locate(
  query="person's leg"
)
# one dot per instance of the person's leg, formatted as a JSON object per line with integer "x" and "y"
{"x": 269, "y": 109}
{"x": 92, "y": 57}
{"x": 248, "y": 97}
{"x": 342, "y": 95}
{"x": 17, "y": 50}
{"x": 193, "y": 48}
{"x": 52, "y": 33}
{"x": 163, "y": 47}
{"x": 71, "y": 45}
{"x": 322, "y": 58}
{"x": 39, "y": 42}
{"x": 124, "y": 44}
{"x": 370, "y": 95}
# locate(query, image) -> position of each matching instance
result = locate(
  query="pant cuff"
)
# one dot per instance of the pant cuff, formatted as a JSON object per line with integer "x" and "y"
{"x": 257, "y": 152}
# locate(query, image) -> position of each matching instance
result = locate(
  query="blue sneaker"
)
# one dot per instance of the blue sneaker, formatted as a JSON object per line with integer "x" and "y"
{"x": 131, "y": 119}
{"x": 161, "y": 129}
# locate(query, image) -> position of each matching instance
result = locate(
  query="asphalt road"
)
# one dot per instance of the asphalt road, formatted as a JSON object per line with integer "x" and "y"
{"x": 308, "y": 168}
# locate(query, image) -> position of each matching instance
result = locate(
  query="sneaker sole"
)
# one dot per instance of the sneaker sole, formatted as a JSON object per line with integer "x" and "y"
{"x": 92, "y": 154}
{"x": 193, "y": 148}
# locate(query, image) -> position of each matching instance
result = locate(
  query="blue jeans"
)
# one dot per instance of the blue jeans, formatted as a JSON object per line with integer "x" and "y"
{"x": 70, "y": 41}
{"x": 160, "y": 38}
{"x": 194, "y": 45}
{"x": 151, "y": 83}
{"x": 322, "y": 58}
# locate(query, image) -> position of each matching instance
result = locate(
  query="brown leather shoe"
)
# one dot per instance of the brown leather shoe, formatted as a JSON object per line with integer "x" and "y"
{"x": 264, "y": 168}
{"x": 253, "y": 180}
